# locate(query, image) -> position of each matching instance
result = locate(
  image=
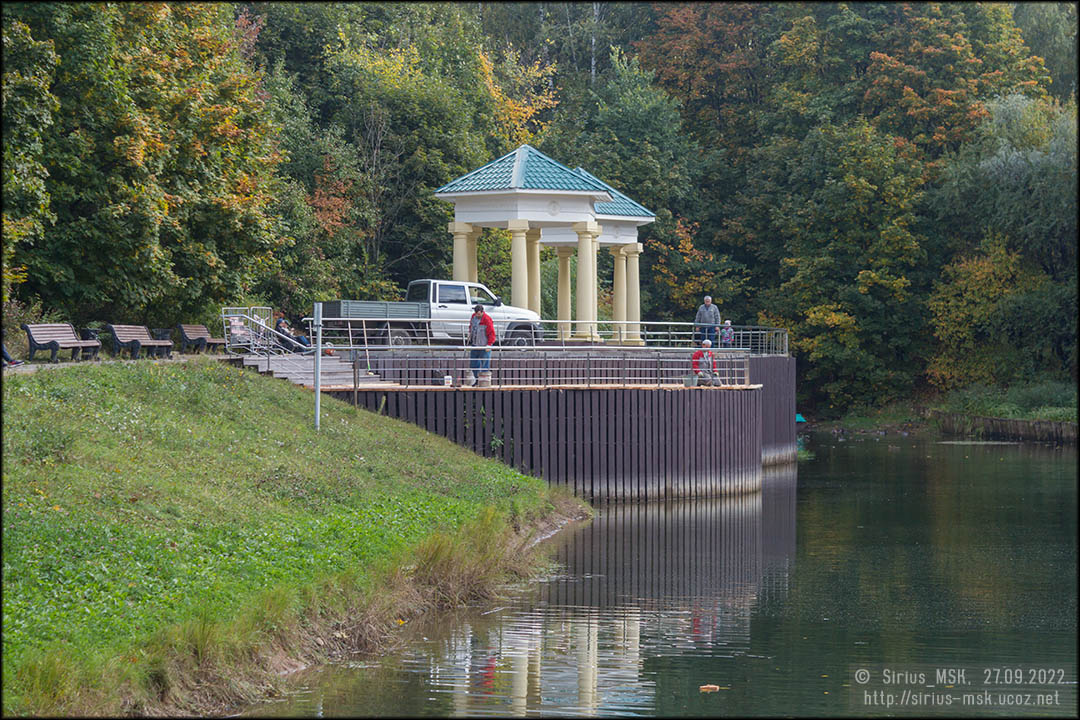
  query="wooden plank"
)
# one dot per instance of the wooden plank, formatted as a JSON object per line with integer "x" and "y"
{"x": 637, "y": 472}
{"x": 593, "y": 436}
{"x": 544, "y": 423}
{"x": 664, "y": 423}
{"x": 486, "y": 402}
{"x": 602, "y": 423}
{"x": 517, "y": 428}
{"x": 440, "y": 413}
{"x": 576, "y": 441}
{"x": 619, "y": 447}
{"x": 531, "y": 430}
{"x": 562, "y": 444}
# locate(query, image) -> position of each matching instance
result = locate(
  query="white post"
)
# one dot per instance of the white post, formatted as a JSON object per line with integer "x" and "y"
{"x": 470, "y": 252}
{"x": 618, "y": 287}
{"x": 532, "y": 243}
{"x": 586, "y": 280}
{"x": 460, "y": 232}
{"x": 519, "y": 262}
{"x": 318, "y": 357}
{"x": 564, "y": 292}
{"x": 633, "y": 294}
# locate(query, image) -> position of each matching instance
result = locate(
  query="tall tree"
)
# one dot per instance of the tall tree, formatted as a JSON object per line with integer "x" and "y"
{"x": 845, "y": 200}
{"x": 1049, "y": 29}
{"x": 160, "y": 162}
{"x": 28, "y": 112}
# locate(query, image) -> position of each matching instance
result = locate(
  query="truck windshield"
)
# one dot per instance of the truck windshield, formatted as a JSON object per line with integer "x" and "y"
{"x": 418, "y": 292}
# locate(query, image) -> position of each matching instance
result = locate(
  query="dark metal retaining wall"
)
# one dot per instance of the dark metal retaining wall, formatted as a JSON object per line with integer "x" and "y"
{"x": 605, "y": 444}
{"x": 776, "y": 375}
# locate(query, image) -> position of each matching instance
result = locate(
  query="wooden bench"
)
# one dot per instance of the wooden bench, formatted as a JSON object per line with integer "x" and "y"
{"x": 197, "y": 337}
{"x": 56, "y": 337}
{"x": 135, "y": 337}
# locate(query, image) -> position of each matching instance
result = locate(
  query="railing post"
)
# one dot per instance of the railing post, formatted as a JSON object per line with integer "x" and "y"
{"x": 318, "y": 359}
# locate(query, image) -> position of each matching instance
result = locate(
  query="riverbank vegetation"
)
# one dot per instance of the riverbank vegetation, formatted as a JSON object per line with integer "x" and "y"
{"x": 895, "y": 183}
{"x": 176, "y": 535}
{"x": 1048, "y": 399}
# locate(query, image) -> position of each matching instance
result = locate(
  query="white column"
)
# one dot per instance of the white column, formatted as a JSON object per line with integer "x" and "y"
{"x": 564, "y": 292}
{"x": 460, "y": 232}
{"x": 619, "y": 292}
{"x": 595, "y": 287}
{"x": 519, "y": 263}
{"x": 633, "y": 294}
{"x": 532, "y": 242}
{"x": 586, "y": 281}
{"x": 470, "y": 252}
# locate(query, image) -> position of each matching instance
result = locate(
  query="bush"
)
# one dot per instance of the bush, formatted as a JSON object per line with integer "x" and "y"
{"x": 1039, "y": 400}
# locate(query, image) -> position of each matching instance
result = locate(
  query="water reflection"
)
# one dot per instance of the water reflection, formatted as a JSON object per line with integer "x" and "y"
{"x": 904, "y": 551}
{"x": 638, "y": 582}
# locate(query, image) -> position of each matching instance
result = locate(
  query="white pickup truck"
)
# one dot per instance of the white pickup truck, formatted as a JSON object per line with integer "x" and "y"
{"x": 449, "y": 305}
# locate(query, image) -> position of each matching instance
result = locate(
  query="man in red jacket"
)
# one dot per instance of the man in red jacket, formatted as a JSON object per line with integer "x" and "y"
{"x": 704, "y": 364}
{"x": 481, "y": 338}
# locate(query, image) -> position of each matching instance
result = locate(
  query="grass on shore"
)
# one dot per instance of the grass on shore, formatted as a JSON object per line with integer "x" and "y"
{"x": 176, "y": 535}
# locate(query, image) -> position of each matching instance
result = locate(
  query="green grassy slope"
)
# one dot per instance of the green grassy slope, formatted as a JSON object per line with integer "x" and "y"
{"x": 142, "y": 496}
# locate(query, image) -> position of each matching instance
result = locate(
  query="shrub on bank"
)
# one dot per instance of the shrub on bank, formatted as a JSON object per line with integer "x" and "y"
{"x": 165, "y": 521}
{"x": 1038, "y": 400}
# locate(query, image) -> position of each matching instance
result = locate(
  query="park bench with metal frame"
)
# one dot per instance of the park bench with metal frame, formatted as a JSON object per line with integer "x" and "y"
{"x": 56, "y": 337}
{"x": 198, "y": 338}
{"x": 136, "y": 337}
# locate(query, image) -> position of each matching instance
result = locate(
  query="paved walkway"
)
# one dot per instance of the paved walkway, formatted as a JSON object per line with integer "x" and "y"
{"x": 31, "y": 367}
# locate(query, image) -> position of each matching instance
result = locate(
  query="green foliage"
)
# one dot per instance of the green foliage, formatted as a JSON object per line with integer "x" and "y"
{"x": 844, "y": 200}
{"x": 160, "y": 163}
{"x": 28, "y": 110}
{"x": 1015, "y": 181}
{"x": 1034, "y": 400}
{"x": 1049, "y": 29}
{"x": 823, "y": 165}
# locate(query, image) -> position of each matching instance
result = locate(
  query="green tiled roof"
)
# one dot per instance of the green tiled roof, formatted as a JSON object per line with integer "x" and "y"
{"x": 620, "y": 204}
{"x": 524, "y": 169}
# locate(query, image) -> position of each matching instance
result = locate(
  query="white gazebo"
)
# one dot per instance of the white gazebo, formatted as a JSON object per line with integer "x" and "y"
{"x": 543, "y": 202}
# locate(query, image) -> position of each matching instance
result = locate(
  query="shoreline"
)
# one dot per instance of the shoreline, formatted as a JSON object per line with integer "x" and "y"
{"x": 367, "y": 625}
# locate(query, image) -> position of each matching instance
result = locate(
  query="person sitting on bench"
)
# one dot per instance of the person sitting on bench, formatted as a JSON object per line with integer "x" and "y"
{"x": 282, "y": 326}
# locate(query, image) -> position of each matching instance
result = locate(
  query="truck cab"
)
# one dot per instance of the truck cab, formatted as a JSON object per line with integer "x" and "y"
{"x": 452, "y": 304}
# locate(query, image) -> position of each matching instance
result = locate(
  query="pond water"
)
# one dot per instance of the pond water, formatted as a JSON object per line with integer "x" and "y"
{"x": 841, "y": 589}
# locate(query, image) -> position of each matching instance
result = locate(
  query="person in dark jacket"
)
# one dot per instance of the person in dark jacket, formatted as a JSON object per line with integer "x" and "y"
{"x": 707, "y": 320}
{"x": 282, "y": 326}
{"x": 481, "y": 338}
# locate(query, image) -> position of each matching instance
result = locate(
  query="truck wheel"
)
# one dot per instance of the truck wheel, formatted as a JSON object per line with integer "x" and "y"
{"x": 399, "y": 337}
{"x": 520, "y": 338}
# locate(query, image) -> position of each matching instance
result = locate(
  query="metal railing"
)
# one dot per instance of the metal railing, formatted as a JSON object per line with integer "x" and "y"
{"x": 369, "y": 351}
{"x": 248, "y": 331}
{"x": 414, "y": 333}
{"x": 540, "y": 367}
